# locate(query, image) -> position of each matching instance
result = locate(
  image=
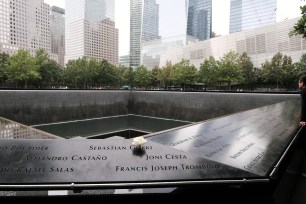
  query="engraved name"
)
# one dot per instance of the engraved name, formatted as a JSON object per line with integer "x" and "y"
{"x": 200, "y": 167}
{"x": 217, "y": 150}
{"x": 27, "y": 148}
{"x": 244, "y": 135}
{"x": 93, "y": 147}
{"x": 23, "y": 169}
{"x": 223, "y": 126}
{"x": 209, "y": 141}
{"x": 242, "y": 151}
{"x": 254, "y": 161}
{"x": 167, "y": 156}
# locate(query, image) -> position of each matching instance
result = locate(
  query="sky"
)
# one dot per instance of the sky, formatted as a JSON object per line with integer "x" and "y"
{"x": 172, "y": 22}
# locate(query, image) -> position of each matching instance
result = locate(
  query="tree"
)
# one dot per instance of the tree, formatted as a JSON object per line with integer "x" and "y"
{"x": 49, "y": 70}
{"x": 208, "y": 71}
{"x": 51, "y": 73}
{"x": 71, "y": 73}
{"x": 248, "y": 73}
{"x": 123, "y": 78}
{"x": 155, "y": 72}
{"x": 230, "y": 70}
{"x": 23, "y": 68}
{"x": 259, "y": 76}
{"x": 41, "y": 57}
{"x": 107, "y": 74}
{"x": 184, "y": 73}
{"x": 166, "y": 74}
{"x": 142, "y": 77}
{"x": 84, "y": 72}
{"x": 299, "y": 28}
{"x": 129, "y": 76}
{"x": 301, "y": 66}
{"x": 92, "y": 67}
{"x": 288, "y": 67}
{"x": 279, "y": 70}
{"x": 4, "y": 66}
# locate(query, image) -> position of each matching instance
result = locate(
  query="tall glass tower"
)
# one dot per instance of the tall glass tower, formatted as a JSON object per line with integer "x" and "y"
{"x": 199, "y": 21}
{"x": 144, "y": 20}
{"x": 57, "y": 31}
{"x": 90, "y": 30}
{"x": 249, "y": 14}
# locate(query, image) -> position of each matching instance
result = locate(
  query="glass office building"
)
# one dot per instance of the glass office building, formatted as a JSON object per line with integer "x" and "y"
{"x": 199, "y": 19}
{"x": 144, "y": 20}
{"x": 249, "y": 14}
{"x": 57, "y": 31}
{"x": 151, "y": 50}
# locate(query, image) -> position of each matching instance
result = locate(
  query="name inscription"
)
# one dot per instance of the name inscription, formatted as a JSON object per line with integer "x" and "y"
{"x": 107, "y": 158}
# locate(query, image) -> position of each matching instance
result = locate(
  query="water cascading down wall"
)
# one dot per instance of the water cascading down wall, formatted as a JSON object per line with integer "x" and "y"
{"x": 32, "y": 107}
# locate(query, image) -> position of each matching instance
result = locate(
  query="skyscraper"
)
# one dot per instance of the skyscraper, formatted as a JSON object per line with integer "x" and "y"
{"x": 24, "y": 25}
{"x": 144, "y": 19}
{"x": 90, "y": 30}
{"x": 57, "y": 29}
{"x": 199, "y": 21}
{"x": 249, "y": 14}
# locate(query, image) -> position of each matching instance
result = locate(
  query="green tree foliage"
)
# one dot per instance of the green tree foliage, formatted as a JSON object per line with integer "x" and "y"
{"x": 23, "y": 68}
{"x": 248, "y": 73}
{"x": 88, "y": 73}
{"x": 142, "y": 77}
{"x": 288, "y": 67}
{"x": 300, "y": 27}
{"x": 84, "y": 72}
{"x": 166, "y": 74}
{"x": 155, "y": 72}
{"x": 184, "y": 73}
{"x": 72, "y": 76}
{"x": 259, "y": 77}
{"x": 92, "y": 68}
{"x": 129, "y": 76}
{"x": 106, "y": 74}
{"x": 301, "y": 66}
{"x": 4, "y": 66}
{"x": 41, "y": 57}
{"x": 279, "y": 70}
{"x": 50, "y": 71}
{"x": 230, "y": 70}
{"x": 51, "y": 74}
{"x": 208, "y": 72}
{"x": 124, "y": 76}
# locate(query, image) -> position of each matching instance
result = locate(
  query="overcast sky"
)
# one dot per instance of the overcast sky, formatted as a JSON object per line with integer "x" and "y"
{"x": 173, "y": 23}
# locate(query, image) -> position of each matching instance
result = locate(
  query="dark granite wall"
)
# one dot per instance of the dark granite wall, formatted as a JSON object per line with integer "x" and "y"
{"x": 198, "y": 106}
{"x": 33, "y": 107}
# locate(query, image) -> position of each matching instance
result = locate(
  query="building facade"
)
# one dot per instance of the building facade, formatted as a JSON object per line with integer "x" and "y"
{"x": 261, "y": 44}
{"x": 152, "y": 50}
{"x": 144, "y": 20}
{"x": 249, "y": 14}
{"x": 124, "y": 60}
{"x": 57, "y": 32}
{"x": 199, "y": 18}
{"x": 90, "y": 30}
{"x": 24, "y": 25}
